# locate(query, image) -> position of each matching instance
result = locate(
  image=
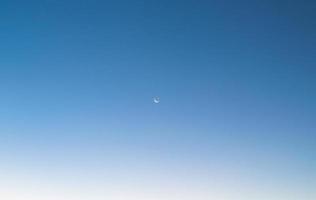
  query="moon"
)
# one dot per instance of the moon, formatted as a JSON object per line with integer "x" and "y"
{"x": 156, "y": 100}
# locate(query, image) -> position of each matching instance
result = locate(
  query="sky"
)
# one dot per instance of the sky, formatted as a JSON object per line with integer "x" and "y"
{"x": 236, "y": 82}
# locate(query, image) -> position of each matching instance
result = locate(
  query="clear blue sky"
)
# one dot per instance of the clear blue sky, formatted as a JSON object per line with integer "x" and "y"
{"x": 236, "y": 79}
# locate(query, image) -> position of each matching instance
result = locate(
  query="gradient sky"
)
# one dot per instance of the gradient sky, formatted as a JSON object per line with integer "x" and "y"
{"x": 236, "y": 79}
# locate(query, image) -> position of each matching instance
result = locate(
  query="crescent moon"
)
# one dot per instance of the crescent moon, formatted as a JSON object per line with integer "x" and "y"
{"x": 156, "y": 100}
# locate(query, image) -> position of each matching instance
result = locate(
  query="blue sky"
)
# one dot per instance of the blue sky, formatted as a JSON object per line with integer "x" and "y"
{"x": 237, "y": 86}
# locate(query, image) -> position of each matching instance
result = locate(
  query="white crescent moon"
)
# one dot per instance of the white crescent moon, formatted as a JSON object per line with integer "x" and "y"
{"x": 156, "y": 100}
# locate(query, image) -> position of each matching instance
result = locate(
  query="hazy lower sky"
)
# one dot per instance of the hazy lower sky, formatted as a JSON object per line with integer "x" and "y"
{"x": 236, "y": 82}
